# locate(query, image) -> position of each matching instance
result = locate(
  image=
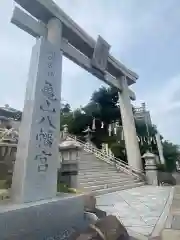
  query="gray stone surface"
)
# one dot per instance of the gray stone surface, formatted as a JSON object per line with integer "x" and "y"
{"x": 175, "y": 203}
{"x": 176, "y": 222}
{"x": 100, "y": 177}
{"x": 150, "y": 168}
{"x": 131, "y": 142}
{"x": 43, "y": 220}
{"x": 139, "y": 209}
{"x": 168, "y": 234}
{"x": 35, "y": 172}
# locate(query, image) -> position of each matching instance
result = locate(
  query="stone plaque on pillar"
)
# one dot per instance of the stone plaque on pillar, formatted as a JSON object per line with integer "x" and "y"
{"x": 35, "y": 173}
{"x": 100, "y": 54}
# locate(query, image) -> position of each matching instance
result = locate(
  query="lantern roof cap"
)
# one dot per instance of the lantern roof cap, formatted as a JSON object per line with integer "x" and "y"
{"x": 69, "y": 144}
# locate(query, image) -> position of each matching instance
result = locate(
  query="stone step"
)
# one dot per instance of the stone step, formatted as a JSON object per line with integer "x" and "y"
{"x": 87, "y": 169}
{"x": 104, "y": 178}
{"x": 108, "y": 185}
{"x": 99, "y": 169}
{"x": 118, "y": 188}
{"x": 98, "y": 165}
{"x": 99, "y": 177}
{"x": 92, "y": 159}
{"x": 101, "y": 181}
{"x": 83, "y": 165}
{"x": 102, "y": 173}
{"x": 86, "y": 172}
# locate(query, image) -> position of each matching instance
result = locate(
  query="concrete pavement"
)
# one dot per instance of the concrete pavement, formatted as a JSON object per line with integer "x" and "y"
{"x": 142, "y": 210}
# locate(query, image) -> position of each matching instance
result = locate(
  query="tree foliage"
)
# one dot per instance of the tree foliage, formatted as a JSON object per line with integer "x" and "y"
{"x": 171, "y": 154}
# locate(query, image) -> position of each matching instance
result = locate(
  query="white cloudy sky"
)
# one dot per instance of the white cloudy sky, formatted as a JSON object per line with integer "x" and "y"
{"x": 144, "y": 35}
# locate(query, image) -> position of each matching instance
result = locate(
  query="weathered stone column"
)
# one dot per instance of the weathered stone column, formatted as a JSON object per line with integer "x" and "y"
{"x": 35, "y": 172}
{"x": 151, "y": 169}
{"x": 130, "y": 136}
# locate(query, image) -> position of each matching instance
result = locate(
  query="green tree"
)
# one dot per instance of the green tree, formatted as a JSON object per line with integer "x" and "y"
{"x": 171, "y": 155}
{"x": 103, "y": 106}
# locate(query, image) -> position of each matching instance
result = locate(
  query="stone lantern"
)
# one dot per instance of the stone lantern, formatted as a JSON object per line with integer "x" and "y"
{"x": 88, "y": 132}
{"x": 151, "y": 168}
{"x": 69, "y": 155}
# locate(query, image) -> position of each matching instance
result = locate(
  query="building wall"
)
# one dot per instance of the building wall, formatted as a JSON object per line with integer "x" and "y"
{"x": 141, "y": 114}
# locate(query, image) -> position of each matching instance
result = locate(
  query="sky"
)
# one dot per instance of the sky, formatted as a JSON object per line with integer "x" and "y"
{"x": 144, "y": 35}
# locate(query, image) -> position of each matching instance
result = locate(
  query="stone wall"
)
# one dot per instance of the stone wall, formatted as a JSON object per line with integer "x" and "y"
{"x": 51, "y": 219}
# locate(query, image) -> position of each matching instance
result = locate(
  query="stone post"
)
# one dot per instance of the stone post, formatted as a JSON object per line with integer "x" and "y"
{"x": 35, "y": 171}
{"x": 130, "y": 136}
{"x": 151, "y": 169}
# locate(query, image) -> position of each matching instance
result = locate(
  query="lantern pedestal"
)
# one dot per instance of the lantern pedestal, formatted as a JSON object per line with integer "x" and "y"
{"x": 68, "y": 172}
{"x": 151, "y": 169}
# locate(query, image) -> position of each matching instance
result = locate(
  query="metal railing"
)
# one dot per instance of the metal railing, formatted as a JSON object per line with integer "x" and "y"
{"x": 118, "y": 163}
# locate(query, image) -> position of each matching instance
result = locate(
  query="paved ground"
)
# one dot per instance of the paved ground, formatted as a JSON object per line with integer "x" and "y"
{"x": 172, "y": 228}
{"x": 144, "y": 210}
{"x": 139, "y": 209}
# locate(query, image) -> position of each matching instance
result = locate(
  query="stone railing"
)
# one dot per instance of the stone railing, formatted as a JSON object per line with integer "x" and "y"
{"x": 106, "y": 150}
{"x": 110, "y": 159}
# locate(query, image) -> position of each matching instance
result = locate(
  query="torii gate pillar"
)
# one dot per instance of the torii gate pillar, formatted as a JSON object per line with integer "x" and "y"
{"x": 130, "y": 135}
{"x": 35, "y": 172}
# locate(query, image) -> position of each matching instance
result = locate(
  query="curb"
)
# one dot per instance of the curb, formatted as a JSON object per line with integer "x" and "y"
{"x": 164, "y": 216}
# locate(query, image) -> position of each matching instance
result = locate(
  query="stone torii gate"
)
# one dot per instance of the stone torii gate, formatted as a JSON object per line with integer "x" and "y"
{"x": 35, "y": 172}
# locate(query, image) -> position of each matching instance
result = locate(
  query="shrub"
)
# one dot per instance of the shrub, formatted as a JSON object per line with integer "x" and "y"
{"x": 161, "y": 167}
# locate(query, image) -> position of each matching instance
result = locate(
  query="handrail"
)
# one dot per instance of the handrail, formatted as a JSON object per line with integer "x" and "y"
{"x": 119, "y": 164}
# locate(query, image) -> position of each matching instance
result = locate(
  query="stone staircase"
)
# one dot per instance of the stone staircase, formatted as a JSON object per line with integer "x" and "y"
{"x": 100, "y": 177}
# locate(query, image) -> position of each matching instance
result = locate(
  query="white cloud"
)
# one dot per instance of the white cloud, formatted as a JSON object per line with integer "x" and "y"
{"x": 164, "y": 101}
{"x": 165, "y": 108}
